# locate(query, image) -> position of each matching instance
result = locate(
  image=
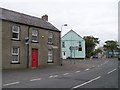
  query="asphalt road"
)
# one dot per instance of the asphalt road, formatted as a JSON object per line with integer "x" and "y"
{"x": 82, "y": 74}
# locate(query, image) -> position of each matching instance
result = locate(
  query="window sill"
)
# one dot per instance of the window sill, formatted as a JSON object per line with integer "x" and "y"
{"x": 15, "y": 39}
{"x": 14, "y": 62}
{"x": 50, "y": 62}
{"x": 34, "y": 42}
{"x": 50, "y": 43}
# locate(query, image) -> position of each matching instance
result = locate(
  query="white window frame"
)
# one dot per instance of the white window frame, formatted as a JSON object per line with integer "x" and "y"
{"x": 15, "y": 54}
{"x": 50, "y": 55}
{"x": 17, "y": 32}
{"x": 35, "y": 34}
{"x": 50, "y": 36}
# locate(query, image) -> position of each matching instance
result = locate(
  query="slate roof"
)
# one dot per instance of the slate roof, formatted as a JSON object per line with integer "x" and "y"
{"x": 25, "y": 19}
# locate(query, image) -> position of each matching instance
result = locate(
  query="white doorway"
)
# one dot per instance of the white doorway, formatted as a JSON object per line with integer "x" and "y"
{"x": 64, "y": 55}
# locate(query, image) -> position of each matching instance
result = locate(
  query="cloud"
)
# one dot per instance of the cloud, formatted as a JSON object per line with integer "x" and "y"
{"x": 86, "y": 17}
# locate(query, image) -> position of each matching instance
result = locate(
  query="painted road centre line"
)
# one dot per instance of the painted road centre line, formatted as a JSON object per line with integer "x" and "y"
{"x": 53, "y": 76}
{"x": 36, "y": 79}
{"x": 77, "y": 71}
{"x": 56, "y": 76}
{"x": 86, "y": 82}
{"x": 11, "y": 84}
{"x": 65, "y": 73}
{"x": 87, "y": 69}
{"x": 112, "y": 71}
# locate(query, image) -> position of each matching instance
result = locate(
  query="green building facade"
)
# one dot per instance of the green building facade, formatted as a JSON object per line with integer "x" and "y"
{"x": 73, "y": 46}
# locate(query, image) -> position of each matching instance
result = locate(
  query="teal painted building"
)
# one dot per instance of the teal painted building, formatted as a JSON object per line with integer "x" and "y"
{"x": 72, "y": 46}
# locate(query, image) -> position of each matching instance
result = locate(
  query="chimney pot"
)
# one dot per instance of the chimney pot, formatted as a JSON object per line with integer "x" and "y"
{"x": 45, "y": 17}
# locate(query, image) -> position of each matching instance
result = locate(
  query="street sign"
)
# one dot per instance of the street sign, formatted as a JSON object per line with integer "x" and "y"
{"x": 74, "y": 48}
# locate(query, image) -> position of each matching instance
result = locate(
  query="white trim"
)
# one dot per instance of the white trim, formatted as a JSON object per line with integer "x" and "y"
{"x": 50, "y": 37}
{"x": 35, "y": 34}
{"x": 15, "y": 54}
{"x": 17, "y": 32}
{"x": 14, "y": 61}
{"x": 50, "y": 55}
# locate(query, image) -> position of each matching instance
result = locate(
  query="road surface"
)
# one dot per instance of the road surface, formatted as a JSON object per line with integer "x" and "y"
{"x": 73, "y": 75}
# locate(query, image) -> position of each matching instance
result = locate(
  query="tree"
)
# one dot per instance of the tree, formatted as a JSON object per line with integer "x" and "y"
{"x": 96, "y": 51}
{"x": 111, "y": 45}
{"x": 90, "y": 43}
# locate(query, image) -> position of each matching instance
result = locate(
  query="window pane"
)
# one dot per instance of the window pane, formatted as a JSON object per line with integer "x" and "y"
{"x": 63, "y": 44}
{"x": 34, "y": 38}
{"x": 15, "y": 54}
{"x": 50, "y": 55}
{"x": 15, "y": 35}
{"x": 34, "y": 33}
{"x": 49, "y": 58}
{"x": 16, "y": 29}
{"x": 15, "y": 50}
{"x": 50, "y": 34}
{"x": 15, "y": 58}
{"x": 50, "y": 37}
{"x": 50, "y": 40}
{"x": 49, "y": 52}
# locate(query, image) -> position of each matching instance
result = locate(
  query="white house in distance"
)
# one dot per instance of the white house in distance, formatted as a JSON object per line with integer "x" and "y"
{"x": 73, "y": 46}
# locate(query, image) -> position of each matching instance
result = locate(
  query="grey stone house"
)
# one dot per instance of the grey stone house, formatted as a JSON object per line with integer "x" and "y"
{"x": 28, "y": 41}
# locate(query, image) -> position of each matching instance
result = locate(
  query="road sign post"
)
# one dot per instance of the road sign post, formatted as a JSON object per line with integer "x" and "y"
{"x": 73, "y": 48}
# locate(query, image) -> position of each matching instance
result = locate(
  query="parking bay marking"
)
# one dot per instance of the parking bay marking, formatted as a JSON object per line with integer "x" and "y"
{"x": 87, "y": 82}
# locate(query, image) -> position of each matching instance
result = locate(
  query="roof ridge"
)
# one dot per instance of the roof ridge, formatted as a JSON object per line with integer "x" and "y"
{"x": 26, "y": 19}
{"x": 21, "y": 13}
{"x": 72, "y": 31}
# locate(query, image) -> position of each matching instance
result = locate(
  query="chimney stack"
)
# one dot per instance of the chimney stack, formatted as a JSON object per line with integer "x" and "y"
{"x": 45, "y": 17}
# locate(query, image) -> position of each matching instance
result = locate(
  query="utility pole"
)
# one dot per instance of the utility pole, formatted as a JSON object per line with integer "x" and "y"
{"x": 61, "y": 40}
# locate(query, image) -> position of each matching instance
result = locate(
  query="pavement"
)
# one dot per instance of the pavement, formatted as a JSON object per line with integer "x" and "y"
{"x": 73, "y": 74}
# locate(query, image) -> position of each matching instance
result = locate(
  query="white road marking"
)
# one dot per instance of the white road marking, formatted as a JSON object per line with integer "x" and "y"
{"x": 11, "y": 84}
{"x": 53, "y": 76}
{"x": 112, "y": 71}
{"x": 105, "y": 62}
{"x": 87, "y": 69}
{"x": 36, "y": 79}
{"x": 56, "y": 76}
{"x": 66, "y": 74}
{"x": 77, "y": 71}
{"x": 86, "y": 82}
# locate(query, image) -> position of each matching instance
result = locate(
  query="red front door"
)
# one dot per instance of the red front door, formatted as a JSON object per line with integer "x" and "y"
{"x": 34, "y": 58}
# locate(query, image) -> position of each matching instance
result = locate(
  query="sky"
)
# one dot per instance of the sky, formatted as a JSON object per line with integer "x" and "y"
{"x": 98, "y": 18}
